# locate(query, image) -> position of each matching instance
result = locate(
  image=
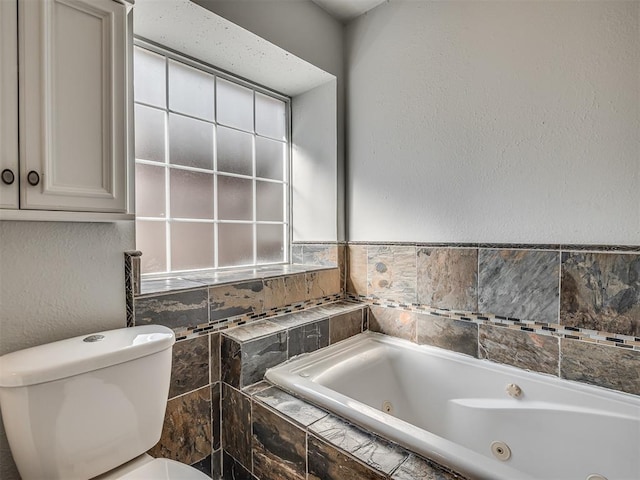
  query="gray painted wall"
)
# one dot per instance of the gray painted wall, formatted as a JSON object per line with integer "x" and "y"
{"x": 58, "y": 280}
{"x": 494, "y": 122}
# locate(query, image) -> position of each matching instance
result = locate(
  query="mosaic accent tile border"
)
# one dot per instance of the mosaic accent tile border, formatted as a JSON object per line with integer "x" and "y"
{"x": 540, "y": 328}
{"x": 226, "y": 323}
{"x": 131, "y": 283}
{"x": 511, "y": 246}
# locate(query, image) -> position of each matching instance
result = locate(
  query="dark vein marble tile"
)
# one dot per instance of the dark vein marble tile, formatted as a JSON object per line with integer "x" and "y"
{"x": 538, "y": 353}
{"x": 236, "y": 424}
{"x": 160, "y": 285}
{"x": 236, "y": 299}
{"x": 342, "y": 266}
{"x": 295, "y": 288}
{"x": 252, "y": 330}
{"x": 287, "y": 290}
{"x": 279, "y": 447}
{"x": 391, "y": 272}
{"x": 323, "y": 283}
{"x": 190, "y": 365}
{"x": 177, "y": 310}
{"x": 416, "y": 468}
{"x": 393, "y": 321}
{"x": 186, "y": 433}
{"x": 328, "y": 463}
{"x": 256, "y": 387}
{"x": 448, "y": 278}
{"x": 296, "y": 253}
{"x": 522, "y": 284}
{"x": 204, "y": 466}
{"x": 338, "y": 308}
{"x": 234, "y": 470}
{"x": 309, "y": 337}
{"x": 372, "y": 450}
{"x": 216, "y": 414}
{"x": 230, "y": 361}
{"x": 290, "y": 406}
{"x": 320, "y": 254}
{"x": 345, "y": 325}
{"x": 602, "y": 365}
{"x": 357, "y": 269}
{"x": 215, "y": 356}
{"x": 216, "y": 465}
{"x": 456, "y": 335}
{"x": 601, "y": 291}
{"x": 298, "y": 318}
{"x": 258, "y": 355}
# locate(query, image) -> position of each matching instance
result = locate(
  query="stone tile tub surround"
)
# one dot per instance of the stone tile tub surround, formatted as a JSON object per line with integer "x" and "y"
{"x": 190, "y": 310}
{"x": 287, "y": 438}
{"x": 589, "y": 290}
{"x": 194, "y": 427}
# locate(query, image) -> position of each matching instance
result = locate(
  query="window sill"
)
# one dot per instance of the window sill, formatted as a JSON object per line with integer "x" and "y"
{"x": 207, "y": 278}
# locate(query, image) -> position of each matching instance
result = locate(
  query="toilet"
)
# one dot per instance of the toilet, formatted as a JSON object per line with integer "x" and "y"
{"x": 91, "y": 406}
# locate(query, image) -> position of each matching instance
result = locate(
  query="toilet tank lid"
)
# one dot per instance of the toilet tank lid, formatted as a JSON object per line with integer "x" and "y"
{"x": 65, "y": 358}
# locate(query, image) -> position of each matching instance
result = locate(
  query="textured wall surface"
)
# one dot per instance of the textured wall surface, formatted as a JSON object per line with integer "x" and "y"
{"x": 494, "y": 122}
{"x": 58, "y": 280}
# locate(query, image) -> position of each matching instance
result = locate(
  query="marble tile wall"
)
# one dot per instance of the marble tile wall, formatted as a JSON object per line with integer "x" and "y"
{"x": 208, "y": 369}
{"x": 571, "y": 311}
{"x": 294, "y": 440}
{"x": 189, "y": 310}
{"x": 247, "y": 351}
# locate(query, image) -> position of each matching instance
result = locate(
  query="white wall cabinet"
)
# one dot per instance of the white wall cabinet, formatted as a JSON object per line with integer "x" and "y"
{"x": 9, "y": 104}
{"x": 72, "y": 108}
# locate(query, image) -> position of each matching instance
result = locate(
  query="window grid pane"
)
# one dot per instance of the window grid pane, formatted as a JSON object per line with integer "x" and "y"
{"x": 233, "y": 138}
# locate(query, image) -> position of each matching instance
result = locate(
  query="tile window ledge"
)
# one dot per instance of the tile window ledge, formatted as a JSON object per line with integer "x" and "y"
{"x": 207, "y": 278}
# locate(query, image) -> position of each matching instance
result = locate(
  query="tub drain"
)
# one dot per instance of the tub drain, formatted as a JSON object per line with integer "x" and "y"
{"x": 596, "y": 476}
{"x": 501, "y": 451}
{"x": 387, "y": 407}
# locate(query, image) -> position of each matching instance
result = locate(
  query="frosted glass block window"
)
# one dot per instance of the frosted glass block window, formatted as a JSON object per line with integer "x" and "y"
{"x": 271, "y": 117}
{"x": 190, "y": 142}
{"x": 191, "y": 91}
{"x": 235, "y": 105}
{"x": 149, "y": 83}
{"x": 212, "y": 167}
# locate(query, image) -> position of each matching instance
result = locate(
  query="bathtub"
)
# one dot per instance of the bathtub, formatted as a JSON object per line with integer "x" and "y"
{"x": 481, "y": 419}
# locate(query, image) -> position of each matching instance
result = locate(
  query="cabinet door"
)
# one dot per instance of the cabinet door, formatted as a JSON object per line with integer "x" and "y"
{"x": 73, "y": 106}
{"x": 9, "y": 103}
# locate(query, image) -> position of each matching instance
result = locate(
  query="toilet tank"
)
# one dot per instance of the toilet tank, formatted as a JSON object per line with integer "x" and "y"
{"x": 77, "y": 408}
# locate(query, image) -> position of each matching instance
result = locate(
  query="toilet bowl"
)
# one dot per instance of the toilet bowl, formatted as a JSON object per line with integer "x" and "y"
{"x": 89, "y": 407}
{"x": 146, "y": 467}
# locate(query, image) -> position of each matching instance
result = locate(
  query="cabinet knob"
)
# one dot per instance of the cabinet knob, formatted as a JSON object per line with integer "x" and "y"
{"x": 7, "y": 176}
{"x": 33, "y": 178}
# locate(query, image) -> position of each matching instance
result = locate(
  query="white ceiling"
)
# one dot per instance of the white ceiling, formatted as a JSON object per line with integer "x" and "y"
{"x": 346, "y": 10}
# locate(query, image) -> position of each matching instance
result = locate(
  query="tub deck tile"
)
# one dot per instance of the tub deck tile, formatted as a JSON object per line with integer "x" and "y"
{"x": 278, "y": 446}
{"x": 302, "y": 412}
{"x": 326, "y": 462}
{"x": 416, "y": 468}
{"x": 369, "y": 448}
{"x": 253, "y": 330}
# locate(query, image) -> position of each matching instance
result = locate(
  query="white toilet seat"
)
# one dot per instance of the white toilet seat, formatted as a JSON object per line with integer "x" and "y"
{"x": 149, "y": 468}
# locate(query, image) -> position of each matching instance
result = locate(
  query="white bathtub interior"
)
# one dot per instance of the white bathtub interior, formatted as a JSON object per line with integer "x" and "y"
{"x": 452, "y": 408}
